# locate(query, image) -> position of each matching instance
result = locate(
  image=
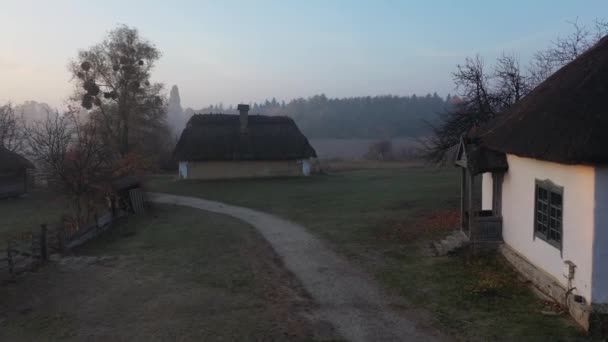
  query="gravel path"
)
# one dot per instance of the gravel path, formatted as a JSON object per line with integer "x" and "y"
{"x": 348, "y": 297}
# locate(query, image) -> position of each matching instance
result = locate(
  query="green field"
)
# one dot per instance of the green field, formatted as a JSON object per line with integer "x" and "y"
{"x": 384, "y": 220}
{"x": 358, "y": 207}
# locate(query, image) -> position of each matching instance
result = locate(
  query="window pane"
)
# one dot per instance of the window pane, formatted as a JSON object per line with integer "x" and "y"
{"x": 542, "y": 193}
{"x": 556, "y": 199}
{"x": 539, "y": 228}
{"x": 548, "y": 214}
{"x": 542, "y": 228}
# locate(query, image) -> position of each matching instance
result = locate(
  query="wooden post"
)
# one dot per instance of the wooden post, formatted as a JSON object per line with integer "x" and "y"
{"x": 463, "y": 181}
{"x": 61, "y": 238}
{"x": 470, "y": 205}
{"x": 24, "y": 180}
{"x": 43, "y": 248}
{"x": 9, "y": 258}
{"x": 113, "y": 205}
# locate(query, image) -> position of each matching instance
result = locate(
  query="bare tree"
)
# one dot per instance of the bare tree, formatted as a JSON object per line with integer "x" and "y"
{"x": 113, "y": 81}
{"x": 483, "y": 94}
{"x": 11, "y": 129}
{"x": 69, "y": 156}
{"x": 510, "y": 84}
{"x": 486, "y": 94}
{"x": 473, "y": 81}
{"x": 381, "y": 150}
{"x": 565, "y": 49}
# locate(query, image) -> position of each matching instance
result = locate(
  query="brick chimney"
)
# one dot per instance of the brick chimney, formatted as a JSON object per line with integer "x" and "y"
{"x": 243, "y": 112}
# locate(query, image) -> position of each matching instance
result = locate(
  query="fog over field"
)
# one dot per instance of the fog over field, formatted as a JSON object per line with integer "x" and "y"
{"x": 356, "y": 148}
{"x": 340, "y": 128}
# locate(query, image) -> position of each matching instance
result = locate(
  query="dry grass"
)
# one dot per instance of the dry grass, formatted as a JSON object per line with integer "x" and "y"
{"x": 431, "y": 224}
{"x": 384, "y": 220}
{"x": 185, "y": 275}
{"x": 337, "y": 165}
{"x": 25, "y": 214}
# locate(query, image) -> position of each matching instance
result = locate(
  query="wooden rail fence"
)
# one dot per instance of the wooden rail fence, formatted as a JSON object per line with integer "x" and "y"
{"x": 28, "y": 251}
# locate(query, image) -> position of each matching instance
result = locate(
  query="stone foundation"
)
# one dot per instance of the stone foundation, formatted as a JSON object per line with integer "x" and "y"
{"x": 550, "y": 287}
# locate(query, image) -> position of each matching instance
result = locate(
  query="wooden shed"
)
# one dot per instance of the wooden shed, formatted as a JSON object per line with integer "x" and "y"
{"x": 13, "y": 173}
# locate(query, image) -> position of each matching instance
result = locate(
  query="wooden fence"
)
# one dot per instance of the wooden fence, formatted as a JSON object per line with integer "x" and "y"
{"x": 28, "y": 251}
{"x": 22, "y": 254}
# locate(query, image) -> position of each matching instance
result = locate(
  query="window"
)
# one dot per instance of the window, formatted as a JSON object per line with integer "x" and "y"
{"x": 548, "y": 212}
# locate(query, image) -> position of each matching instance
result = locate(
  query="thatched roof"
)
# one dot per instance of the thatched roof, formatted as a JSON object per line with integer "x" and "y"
{"x": 564, "y": 119}
{"x": 219, "y": 137}
{"x": 11, "y": 161}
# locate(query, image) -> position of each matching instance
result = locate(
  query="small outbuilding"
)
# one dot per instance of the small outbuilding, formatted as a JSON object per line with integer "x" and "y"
{"x": 543, "y": 171}
{"x": 13, "y": 173}
{"x": 217, "y": 146}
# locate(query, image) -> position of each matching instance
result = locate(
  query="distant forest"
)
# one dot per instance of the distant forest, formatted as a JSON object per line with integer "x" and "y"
{"x": 368, "y": 117}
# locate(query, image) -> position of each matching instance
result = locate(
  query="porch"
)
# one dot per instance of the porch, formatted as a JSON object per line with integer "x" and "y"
{"x": 481, "y": 192}
{"x": 484, "y": 226}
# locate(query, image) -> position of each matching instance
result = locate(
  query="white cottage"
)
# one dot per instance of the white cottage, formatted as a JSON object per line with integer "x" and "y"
{"x": 219, "y": 146}
{"x": 543, "y": 169}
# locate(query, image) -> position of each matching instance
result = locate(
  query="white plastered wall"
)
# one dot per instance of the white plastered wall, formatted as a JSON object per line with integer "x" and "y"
{"x": 183, "y": 170}
{"x": 578, "y": 218}
{"x": 486, "y": 191}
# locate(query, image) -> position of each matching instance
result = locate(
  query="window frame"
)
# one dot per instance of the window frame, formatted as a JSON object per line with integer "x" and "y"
{"x": 550, "y": 188}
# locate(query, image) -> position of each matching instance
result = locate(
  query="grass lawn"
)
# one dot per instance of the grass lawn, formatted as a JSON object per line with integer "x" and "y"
{"x": 27, "y": 213}
{"x": 356, "y": 207}
{"x": 384, "y": 220}
{"x": 181, "y": 275}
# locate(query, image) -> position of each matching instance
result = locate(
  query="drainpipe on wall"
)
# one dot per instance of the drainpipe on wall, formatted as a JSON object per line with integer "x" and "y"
{"x": 569, "y": 271}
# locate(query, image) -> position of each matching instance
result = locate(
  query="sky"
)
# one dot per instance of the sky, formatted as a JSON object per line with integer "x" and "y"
{"x": 246, "y": 51}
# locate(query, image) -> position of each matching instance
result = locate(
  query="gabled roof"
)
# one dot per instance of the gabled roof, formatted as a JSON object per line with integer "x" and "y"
{"x": 219, "y": 137}
{"x": 11, "y": 161}
{"x": 479, "y": 159}
{"x": 564, "y": 119}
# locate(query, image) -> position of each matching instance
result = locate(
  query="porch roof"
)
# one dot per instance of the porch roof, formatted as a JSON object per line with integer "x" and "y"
{"x": 479, "y": 159}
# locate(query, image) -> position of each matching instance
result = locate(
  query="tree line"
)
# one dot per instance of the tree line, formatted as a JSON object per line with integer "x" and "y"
{"x": 375, "y": 117}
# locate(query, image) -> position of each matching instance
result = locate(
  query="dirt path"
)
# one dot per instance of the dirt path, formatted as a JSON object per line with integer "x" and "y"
{"x": 348, "y": 297}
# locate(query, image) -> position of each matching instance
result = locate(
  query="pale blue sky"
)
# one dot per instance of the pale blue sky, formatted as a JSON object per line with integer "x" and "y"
{"x": 233, "y": 51}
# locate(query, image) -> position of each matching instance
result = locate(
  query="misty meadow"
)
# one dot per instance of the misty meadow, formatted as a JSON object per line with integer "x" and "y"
{"x": 287, "y": 171}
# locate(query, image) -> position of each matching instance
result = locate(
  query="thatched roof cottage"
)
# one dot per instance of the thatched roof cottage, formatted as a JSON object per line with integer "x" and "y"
{"x": 543, "y": 169}
{"x": 215, "y": 146}
{"x": 13, "y": 173}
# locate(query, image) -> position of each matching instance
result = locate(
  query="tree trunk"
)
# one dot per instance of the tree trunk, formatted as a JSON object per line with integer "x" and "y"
{"x": 124, "y": 134}
{"x": 124, "y": 141}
